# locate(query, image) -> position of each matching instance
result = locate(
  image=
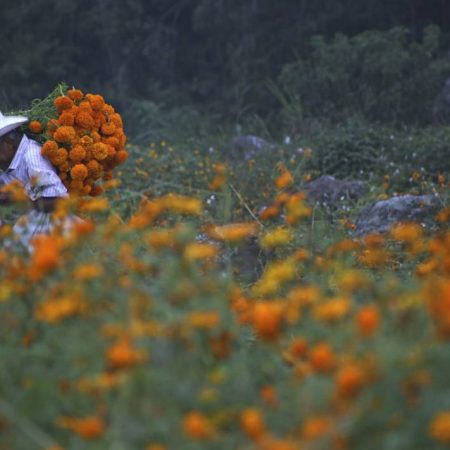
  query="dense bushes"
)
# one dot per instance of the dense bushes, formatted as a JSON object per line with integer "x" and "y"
{"x": 381, "y": 76}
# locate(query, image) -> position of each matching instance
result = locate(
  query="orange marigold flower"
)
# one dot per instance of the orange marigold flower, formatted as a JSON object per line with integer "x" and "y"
{"x": 59, "y": 157}
{"x": 66, "y": 118}
{"x": 122, "y": 355}
{"x": 108, "y": 128}
{"x": 408, "y": 232}
{"x": 120, "y": 157}
{"x": 204, "y": 319}
{"x": 79, "y": 172}
{"x": 85, "y": 106}
{"x": 267, "y": 319}
{"x": 111, "y": 140}
{"x": 45, "y": 256}
{"x": 91, "y": 427}
{"x": 197, "y": 426}
{"x": 439, "y": 428}
{"x": 269, "y": 212}
{"x": 97, "y": 102}
{"x": 84, "y": 119}
{"x": 35, "y": 126}
{"x": 108, "y": 109}
{"x": 77, "y": 154}
{"x": 285, "y": 179}
{"x": 322, "y": 358}
{"x": 316, "y": 427}
{"x": 299, "y": 347}
{"x": 111, "y": 151}
{"x": 94, "y": 169}
{"x": 62, "y": 103}
{"x": 368, "y": 320}
{"x": 86, "y": 141}
{"x": 49, "y": 148}
{"x": 65, "y": 134}
{"x": 96, "y": 191}
{"x": 99, "y": 151}
{"x": 252, "y": 423}
{"x": 349, "y": 380}
{"x": 116, "y": 119}
{"x": 269, "y": 395}
{"x": 75, "y": 94}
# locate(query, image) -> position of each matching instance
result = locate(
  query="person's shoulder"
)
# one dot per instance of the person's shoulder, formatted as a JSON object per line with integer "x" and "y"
{"x": 33, "y": 150}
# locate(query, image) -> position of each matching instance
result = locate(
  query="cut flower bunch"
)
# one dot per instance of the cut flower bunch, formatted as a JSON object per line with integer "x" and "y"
{"x": 82, "y": 137}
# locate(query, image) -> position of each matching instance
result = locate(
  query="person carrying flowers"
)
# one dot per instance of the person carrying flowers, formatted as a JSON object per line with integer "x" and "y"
{"x": 21, "y": 162}
{"x": 66, "y": 144}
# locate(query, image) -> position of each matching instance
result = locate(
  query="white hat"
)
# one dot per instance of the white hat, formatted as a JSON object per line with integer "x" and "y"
{"x": 8, "y": 123}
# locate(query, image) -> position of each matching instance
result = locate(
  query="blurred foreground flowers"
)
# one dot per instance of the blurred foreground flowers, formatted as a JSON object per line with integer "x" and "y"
{"x": 139, "y": 333}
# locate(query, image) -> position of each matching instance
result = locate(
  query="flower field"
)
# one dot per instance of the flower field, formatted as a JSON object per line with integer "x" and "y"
{"x": 196, "y": 307}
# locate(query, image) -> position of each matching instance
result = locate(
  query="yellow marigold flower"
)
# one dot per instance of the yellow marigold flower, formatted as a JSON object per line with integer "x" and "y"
{"x": 253, "y": 424}
{"x": 15, "y": 190}
{"x": 91, "y": 427}
{"x": 75, "y": 94}
{"x": 160, "y": 238}
{"x": 352, "y": 280}
{"x": 87, "y": 271}
{"x": 203, "y": 319}
{"x": 333, "y": 309}
{"x": 95, "y": 205}
{"x": 64, "y": 134}
{"x": 198, "y": 251}
{"x": 35, "y": 126}
{"x": 277, "y": 237}
{"x": 439, "y": 428}
{"x": 181, "y": 204}
{"x": 79, "y": 172}
{"x": 276, "y": 274}
{"x": 296, "y": 208}
{"x": 197, "y": 426}
{"x": 233, "y": 232}
{"x": 62, "y": 103}
{"x": 57, "y": 309}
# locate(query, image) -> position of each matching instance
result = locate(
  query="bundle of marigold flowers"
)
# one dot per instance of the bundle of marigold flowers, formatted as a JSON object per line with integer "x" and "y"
{"x": 82, "y": 137}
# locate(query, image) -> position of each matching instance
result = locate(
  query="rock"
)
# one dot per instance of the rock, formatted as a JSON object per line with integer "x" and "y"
{"x": 380, "y": 216}
{"x": 327, "y": 190}
{"x": 244, "y": 148}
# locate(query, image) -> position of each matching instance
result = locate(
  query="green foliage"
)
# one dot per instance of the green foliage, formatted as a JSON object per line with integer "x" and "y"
{"x": 381, "y": 76}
